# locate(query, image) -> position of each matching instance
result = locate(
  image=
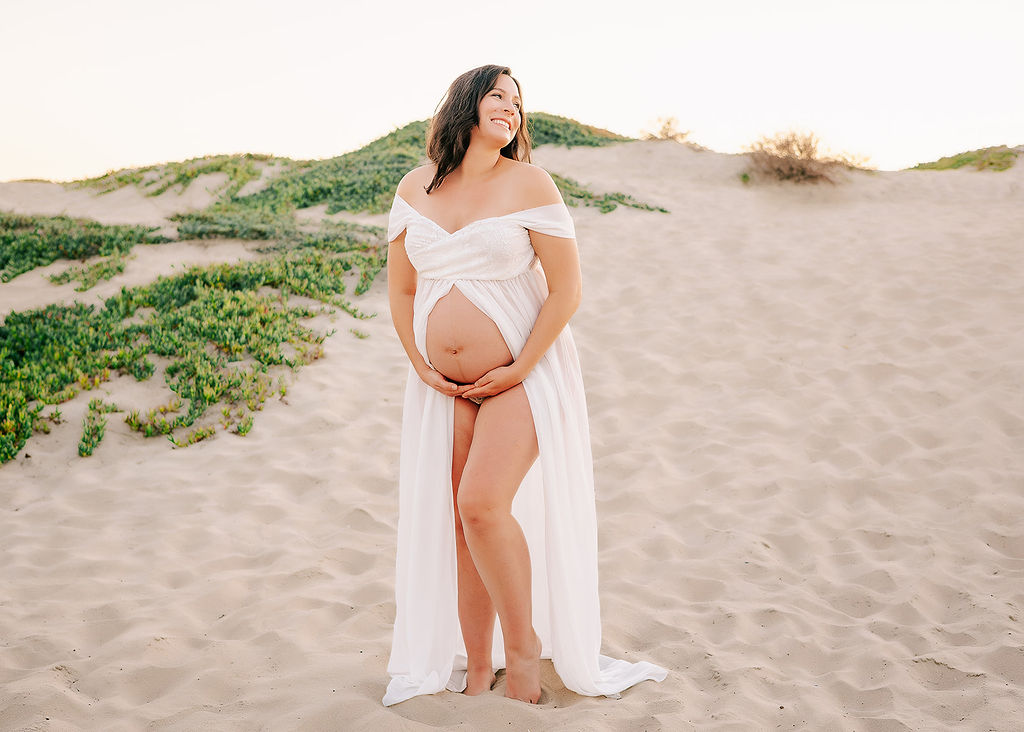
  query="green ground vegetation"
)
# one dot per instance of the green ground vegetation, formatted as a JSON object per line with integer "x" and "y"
{"x": 218, "y": 327}
{"x": 156, "y": 179}
{"x": 27, "y": 242}
{"x": 551, "y": 129}
{"x": 362, "y": 180}
{"x": 88, "y": 275}
{"x": 986, "y": 158}
{"x": 94, "y": 425}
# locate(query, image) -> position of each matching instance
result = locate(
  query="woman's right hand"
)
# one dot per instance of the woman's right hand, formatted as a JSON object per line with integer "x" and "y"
{"x": 436, "y": 381}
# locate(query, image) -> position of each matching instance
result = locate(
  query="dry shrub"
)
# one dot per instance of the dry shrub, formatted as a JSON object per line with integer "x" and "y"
{"x": 668, "y": 130}
{"x": 795, "y": 156}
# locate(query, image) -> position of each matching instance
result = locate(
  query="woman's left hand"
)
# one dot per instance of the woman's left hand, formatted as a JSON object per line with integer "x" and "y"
{"x": 495, "y": 381}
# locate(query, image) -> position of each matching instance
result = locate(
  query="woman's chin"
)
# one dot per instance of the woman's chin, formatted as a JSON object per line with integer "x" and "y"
{"x": 496, "y": 138}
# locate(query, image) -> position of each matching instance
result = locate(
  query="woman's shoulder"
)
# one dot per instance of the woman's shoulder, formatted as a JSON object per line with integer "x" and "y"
{"x": 419, "y": 177}
{"x": 535, "y": 183}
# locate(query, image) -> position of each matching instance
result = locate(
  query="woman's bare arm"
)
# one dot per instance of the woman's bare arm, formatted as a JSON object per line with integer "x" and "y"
{"x": 401, "y": 295}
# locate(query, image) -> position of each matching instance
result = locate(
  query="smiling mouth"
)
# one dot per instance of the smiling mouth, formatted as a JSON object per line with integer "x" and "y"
{"x": 503, "y": 122}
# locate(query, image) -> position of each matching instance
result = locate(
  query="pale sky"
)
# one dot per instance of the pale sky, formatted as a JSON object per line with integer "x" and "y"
{"x": 87, "y": 87}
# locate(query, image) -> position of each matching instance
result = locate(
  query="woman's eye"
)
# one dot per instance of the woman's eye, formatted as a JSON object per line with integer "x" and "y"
{"x": 499, "y": 95}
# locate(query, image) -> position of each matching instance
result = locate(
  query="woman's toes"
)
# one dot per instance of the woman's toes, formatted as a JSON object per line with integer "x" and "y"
{"x": 523, "y": 674}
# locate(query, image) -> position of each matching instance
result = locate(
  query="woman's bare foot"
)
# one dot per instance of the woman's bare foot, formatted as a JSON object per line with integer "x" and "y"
{"x": 522, "y": 672}
{"x": 479, "y": 680}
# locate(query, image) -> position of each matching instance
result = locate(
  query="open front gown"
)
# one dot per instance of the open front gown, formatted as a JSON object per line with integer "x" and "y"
{"x": 493, "y": 264}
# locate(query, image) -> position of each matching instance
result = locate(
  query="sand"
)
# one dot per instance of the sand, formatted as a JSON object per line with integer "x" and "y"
{"x": 807, "y": 412}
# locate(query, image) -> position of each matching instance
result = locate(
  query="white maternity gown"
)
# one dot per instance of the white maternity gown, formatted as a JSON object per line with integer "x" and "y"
{"x": 493, "y": 264}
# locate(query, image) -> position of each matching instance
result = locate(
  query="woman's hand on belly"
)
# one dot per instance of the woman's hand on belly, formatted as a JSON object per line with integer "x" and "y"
{"x": 435, "y": 380}
{"x": 495, "y": 381}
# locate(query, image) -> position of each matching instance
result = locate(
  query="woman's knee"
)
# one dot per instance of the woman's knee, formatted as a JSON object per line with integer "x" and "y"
{"x": 476, "y": 508}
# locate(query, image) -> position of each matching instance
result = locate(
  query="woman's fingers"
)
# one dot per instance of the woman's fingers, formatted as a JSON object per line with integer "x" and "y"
{"x": 474, "y": 391}
{"x": 493, "y": 382}
{"x": 483, "y": 387}
{"x": 449, "y": 388}
{"x": 436, "y": 381}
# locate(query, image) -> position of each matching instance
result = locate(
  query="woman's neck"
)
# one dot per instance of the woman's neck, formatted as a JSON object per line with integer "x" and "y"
{"x": 478, "y": 164}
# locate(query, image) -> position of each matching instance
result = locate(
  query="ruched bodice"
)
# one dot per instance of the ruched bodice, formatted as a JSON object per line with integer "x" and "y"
{"x": 493, "y": 248}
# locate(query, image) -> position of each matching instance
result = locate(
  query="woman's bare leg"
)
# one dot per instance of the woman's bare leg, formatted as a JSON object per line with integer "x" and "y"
{"x": 463, "y": 344}
{"x": 476, "y": 611}
{"x": 503, "y": 448}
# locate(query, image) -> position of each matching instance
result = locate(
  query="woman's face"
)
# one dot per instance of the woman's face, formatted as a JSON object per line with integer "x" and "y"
{"x": 499, "y": 117}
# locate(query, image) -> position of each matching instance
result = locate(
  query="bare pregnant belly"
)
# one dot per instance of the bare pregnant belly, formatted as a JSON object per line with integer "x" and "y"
{"x": 463, "y": 344}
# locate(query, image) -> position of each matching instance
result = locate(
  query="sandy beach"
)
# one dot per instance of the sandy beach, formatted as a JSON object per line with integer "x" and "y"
{"x": 807, "y": 414}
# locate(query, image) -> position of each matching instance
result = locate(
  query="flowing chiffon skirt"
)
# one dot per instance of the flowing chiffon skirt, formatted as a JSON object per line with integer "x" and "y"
{"x": 554, "y": 506}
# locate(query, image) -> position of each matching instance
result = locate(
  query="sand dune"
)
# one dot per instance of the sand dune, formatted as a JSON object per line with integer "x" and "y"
{"x": 808, "y": 424}
{"x": 127, "y": 205}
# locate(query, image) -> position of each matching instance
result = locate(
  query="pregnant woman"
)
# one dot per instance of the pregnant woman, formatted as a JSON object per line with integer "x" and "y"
{"x": 496, "y": 491}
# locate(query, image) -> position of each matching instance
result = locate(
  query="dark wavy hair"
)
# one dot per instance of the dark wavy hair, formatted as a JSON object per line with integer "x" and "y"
{"x": 448, "y": 136}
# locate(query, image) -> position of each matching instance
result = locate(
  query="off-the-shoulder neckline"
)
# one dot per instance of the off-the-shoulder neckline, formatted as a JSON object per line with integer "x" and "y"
{"x": 477, "y": 221}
